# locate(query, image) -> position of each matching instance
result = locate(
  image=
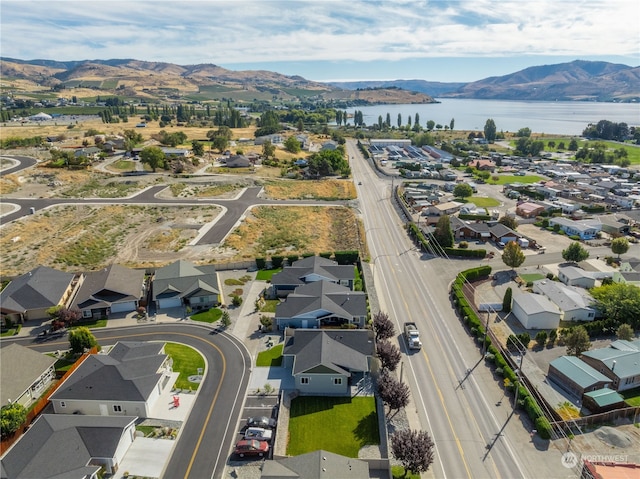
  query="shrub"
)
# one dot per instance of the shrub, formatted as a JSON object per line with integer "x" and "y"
{"x": 276, "y": 261}
{"x": 543, "y": 427}
{"x": 261, "y": 263}
{"x": 463, "y": 245}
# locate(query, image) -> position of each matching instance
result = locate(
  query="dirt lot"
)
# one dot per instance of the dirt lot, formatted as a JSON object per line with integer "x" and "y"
{"x": 89, "y": 237}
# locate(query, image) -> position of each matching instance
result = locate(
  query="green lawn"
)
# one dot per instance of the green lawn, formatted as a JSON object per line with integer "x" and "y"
{"x": 506, "y": 179}
{"x": 266, "y": 274}
{"x": 210, "y": 316}
{"x": 632, "y": 397}
{"x": 90, "y": 323}
{"x": 398, "y": 473}
{"x": 270, "y": 357}
{"x": 532, "y": 277}
{"x": 340, "y": 425}
{"x": 10, "y": 331}
{"x": 482, "y": 202}
{"x": 270, "y": 306}
{"x": 186, "y": 361}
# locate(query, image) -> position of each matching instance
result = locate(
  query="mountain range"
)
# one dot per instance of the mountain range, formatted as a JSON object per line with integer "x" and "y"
{"x": 577, "y": 80}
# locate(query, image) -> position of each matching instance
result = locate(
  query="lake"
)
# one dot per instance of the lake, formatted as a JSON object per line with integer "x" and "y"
{"x": 562, "y": 117}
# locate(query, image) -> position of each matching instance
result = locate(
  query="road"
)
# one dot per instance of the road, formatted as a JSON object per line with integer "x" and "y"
{"x": 455, "y": 396}
{"x": 207, "y": 435}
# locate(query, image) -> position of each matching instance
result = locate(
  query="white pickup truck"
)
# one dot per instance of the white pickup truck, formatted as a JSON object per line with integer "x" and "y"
{"x": 412, "y": 335}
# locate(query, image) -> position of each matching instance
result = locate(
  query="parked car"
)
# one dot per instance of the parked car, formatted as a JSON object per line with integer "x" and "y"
{"x": 251, "y": 448}
{"x": 261, "y": 421}
{"x": 258, "y": 433}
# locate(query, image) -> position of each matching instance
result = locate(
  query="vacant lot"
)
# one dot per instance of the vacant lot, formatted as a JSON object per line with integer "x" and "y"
{"x": 318, "y": 190}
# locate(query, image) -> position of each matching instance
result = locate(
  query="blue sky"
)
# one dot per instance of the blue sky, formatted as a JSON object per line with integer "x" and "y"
{"x": 329, "y": 39}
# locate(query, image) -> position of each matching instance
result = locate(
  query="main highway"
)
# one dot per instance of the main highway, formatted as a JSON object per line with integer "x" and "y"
{"x": 207, "y": 435}
{"x": 454, "y": 395}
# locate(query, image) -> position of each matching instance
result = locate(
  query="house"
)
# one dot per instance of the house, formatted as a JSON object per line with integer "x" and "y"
{"x": 576, "y": 376}
{"x": 126, "y": 381}
{"x": 316, "y": 465}
{"x": 238, "y": 161}
{"x": 24, "y": 374}
{"x": 618, "y": 225}
{"x": 586, "y": 229}
{"x": 529, "y": 210}
{"x": 311, "y": 269}
{"x": 619, "y": 362}
{"x": 275, "y": 139}
{"x": 574, "y": 303}
{"x": 329, "y": 145}
{"x": 70, "y": 446}
{"x": 320, "y": 304}
{"x": 28, "y": 297}
{"x": 91, "y": 152}
{"x": 176, "y": 152}
{"x": 629, "y": 272}
{"x": 503, "y": 234}
{"x": 602, "y": 400}
{"x": 434, "y": 212}
{"x": 114, "y": 289}
{"x": 327, "y": 362}
{"x": 573, "y": 276}
{"x": 469, "y": 229}
{"x": 535, "y": 311}
{"x": 184, "y": 284}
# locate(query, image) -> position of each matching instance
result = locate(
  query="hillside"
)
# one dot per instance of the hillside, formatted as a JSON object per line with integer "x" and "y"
{"x": 577, "y": 80}
{"x": 161, "y": 81}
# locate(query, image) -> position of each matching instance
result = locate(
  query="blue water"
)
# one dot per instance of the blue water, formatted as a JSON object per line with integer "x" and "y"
{"x": 562, "y": 117}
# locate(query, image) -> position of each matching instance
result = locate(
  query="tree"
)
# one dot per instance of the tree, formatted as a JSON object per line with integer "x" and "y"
{"x": 153, "y": 156}
{"x": 12, "y": 416}
{"x": 399, "y": 120}
{"x": 197, "y": 148}
{"x": 81, "y": 339}
{"x": 509, "y": 222}
{"x": 625, "y": 332}
{"x": 389, "y": 355}
{"x": 512, "y": 255}
{"x": 292, "y": 145}
{"x": 573, "y": 145}
{"x": 220, "y": 143}
{"x": 431, "y": 125}
{"x": 462, "y": 190}
{"x": 575, "y": 253}
{"x": 506, "y": 301}
{"x": 541, "y": 338}
{"x": 452, "y": 123}
{"x": 620, "y": 246}
{"x": 225, "y": 319}
{"x": 443, "y": 234}
{"x": 619, "y": 303}
{"x": 414, "y": 450}
{"x": 577, "y": 341}
{"x": 383, "y": 326}
{"x": 392, "y": 392}
{"x": 490, "y": 130}
{"x": 268, "y": 149}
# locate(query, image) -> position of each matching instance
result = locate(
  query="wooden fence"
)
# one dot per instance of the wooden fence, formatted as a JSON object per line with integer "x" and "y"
{"x": 38, "y": 407}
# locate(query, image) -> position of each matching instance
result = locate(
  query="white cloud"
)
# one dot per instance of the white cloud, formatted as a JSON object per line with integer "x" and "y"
{"x": 225, "y": 32}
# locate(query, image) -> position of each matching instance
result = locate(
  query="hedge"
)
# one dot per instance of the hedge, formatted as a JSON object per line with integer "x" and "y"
{"x": 475, "y": 217}
{"x": 468, "y": 253}
{"x": 276, "y": 261}
{"x": 476, "y": 327}
{"x": 261, "y": 263}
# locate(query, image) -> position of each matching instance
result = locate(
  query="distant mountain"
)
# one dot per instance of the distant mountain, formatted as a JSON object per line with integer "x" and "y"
{"x": 577, "y": 80}
{"x": 431, "y": 88}
{"x": 161, "y": 81}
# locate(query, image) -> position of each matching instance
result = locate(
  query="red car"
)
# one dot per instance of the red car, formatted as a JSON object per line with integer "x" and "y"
{"x": 251, "y": 447}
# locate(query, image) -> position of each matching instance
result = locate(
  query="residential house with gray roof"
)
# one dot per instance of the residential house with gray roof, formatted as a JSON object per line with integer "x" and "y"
{"x": 575, "y": 303}
{"x": 576, "y": 376}
{"x": 316, "y": 465}
{"x": 184, "y": 284}
{"x": 309, "y": 270}
{"x": 58, "y": 446}
{"x": 585, "y": 229}
{"x": 535, "y": 311}
{"x": 25, "y": 374}
{"x": 28, "y": 297}
{"x": 629, "y": 272}
{"x": 126, "y": 381}
{"x": 114, "y": 289}
{"x": 620, "y": 362}
{"x": 574, "y": 276}
{"x": 321, "y": 304}
{"x": 328, "y": 362}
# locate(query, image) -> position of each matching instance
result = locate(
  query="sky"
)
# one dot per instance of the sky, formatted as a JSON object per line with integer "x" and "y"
{"x": 329, "y": 40}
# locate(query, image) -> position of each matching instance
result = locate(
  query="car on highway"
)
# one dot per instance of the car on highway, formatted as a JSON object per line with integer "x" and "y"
{"x": 258, "y": 433}
{"x": 251, "y": 448}
{"x": 262, "y": 421}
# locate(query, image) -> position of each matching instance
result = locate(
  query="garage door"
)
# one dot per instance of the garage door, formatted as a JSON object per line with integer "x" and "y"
{"x": 123, "y": 307}
{"x": 169, "y": 303}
